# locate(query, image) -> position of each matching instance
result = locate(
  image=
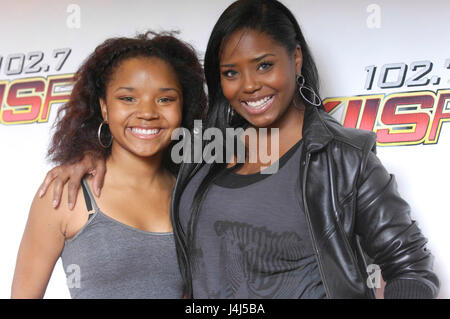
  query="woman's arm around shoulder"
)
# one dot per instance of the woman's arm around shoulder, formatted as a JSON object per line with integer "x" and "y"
{"x": 72, "y": 174}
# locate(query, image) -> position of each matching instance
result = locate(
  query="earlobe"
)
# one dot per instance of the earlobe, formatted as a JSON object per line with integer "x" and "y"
{"x": 298, "y": 59}
{"x": 104, "y": 110}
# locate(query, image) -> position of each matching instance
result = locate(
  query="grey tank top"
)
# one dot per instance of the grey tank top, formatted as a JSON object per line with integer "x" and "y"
{"x": 108, "y": 259}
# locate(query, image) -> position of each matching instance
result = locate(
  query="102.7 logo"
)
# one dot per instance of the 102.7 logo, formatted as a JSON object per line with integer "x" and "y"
{"x": 33, "y": 62}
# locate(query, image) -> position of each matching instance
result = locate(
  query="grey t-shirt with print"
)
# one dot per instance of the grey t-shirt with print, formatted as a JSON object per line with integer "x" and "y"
{"x": 252, "y": 239}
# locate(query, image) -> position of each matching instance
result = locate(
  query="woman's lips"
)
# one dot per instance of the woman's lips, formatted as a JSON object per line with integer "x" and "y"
{"x": 257, "y": 108}
{"x": 145, "y": 134}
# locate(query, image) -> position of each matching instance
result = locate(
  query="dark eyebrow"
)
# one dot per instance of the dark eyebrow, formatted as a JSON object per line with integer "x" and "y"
{"x": 252, "y": 60}
{"x": 161, "y": 89}
{"x": 262, "y": 57}
{"x": 124, "y": 88}
{"x": 167, "y": 89}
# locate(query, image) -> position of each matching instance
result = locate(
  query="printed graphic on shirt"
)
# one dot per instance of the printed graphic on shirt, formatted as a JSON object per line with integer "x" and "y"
{"x": 256, "y": 262}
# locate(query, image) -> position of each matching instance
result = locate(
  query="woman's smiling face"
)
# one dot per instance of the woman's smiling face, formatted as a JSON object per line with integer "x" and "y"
{"x": 258, "y": 76}
{"x": 143, "y": 105}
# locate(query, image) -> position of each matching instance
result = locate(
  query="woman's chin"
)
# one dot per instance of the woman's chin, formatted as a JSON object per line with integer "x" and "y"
{"x": 261, "y": 121}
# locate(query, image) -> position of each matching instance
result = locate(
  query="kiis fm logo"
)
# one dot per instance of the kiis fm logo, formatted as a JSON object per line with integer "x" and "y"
{"x": 28, "y": 100}
{"x": 408, "y": 118}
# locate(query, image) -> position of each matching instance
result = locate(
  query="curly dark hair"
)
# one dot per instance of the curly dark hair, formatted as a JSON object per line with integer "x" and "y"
{"x": 78, "y": 120}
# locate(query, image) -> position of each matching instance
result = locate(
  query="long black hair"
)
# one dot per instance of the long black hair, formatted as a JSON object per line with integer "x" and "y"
{"x": 269, "y": 17}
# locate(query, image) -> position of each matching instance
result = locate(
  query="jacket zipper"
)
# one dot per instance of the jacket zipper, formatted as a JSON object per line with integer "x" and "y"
{"x": 311, "y": 234}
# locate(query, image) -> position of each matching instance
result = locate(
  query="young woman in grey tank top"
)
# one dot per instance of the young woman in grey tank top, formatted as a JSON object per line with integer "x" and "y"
{"x": 129, "y": 97}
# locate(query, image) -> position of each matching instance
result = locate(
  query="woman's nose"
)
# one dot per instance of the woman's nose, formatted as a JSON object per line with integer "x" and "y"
{"x": 147, "y": 110}
{"x": 250, "y": 83}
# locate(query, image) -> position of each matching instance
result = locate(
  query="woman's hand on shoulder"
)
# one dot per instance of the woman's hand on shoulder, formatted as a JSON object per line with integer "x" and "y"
{"x": 72, "y": 175}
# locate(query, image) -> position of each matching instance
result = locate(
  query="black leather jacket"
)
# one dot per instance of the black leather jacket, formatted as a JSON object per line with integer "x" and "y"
{"x": 354, "y": 213}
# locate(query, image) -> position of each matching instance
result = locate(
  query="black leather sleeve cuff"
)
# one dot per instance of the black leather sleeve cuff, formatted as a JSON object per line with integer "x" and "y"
{"x": 407, "y": 289}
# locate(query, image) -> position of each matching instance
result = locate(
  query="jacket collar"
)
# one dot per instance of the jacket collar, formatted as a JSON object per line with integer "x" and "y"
{"x": 316, "y": 134}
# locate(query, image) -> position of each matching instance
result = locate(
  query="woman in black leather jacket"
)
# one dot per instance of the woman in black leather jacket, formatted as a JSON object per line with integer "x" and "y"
{"x": 260, "y": 74}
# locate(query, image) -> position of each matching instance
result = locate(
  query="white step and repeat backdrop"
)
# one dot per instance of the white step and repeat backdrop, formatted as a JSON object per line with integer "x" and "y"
{"x": 384, "y": 66}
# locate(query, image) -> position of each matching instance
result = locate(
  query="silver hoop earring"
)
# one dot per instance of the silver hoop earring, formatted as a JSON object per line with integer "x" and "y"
{"x": 301, "y": 82}
{"x": 230, "y": 114}
{"x": 99, "y": 132}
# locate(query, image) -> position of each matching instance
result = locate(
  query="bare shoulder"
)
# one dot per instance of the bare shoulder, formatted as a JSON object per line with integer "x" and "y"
{"x": 61, "y": 216}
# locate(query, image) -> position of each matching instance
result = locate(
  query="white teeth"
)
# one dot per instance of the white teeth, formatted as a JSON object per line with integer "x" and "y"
{"x": 144, "y": 131}
{"x": 259, "y": 103}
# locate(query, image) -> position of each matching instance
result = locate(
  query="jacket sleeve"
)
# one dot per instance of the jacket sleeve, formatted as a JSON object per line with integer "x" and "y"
{"x": 389, "y": 236}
